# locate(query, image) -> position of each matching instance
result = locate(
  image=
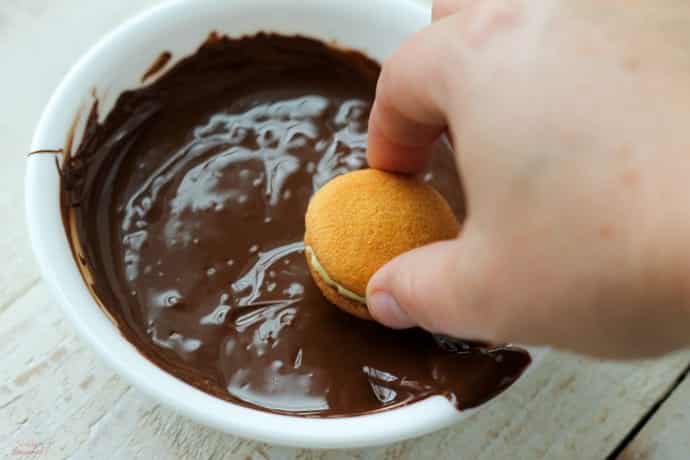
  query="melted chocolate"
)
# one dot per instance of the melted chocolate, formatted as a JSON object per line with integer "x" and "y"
{"x": 157, "y": 65}
{"x": 186, "y": 209}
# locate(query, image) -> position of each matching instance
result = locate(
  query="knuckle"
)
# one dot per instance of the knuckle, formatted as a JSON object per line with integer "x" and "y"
{"x": 495, "y": 303}
{"x": 393, "y": 71}
{"x": 401, "y": 82}
{"x": 409, "y": 289}
{"x": 438, "y": 292}
{"x": 480, "y": 310}
{"x": 441, "y": 9}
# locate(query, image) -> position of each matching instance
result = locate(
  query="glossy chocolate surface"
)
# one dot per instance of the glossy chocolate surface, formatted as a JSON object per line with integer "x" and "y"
{"x": 186, "y": 208}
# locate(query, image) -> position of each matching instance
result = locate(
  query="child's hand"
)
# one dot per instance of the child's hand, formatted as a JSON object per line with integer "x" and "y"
{"x": 571, "y": 123}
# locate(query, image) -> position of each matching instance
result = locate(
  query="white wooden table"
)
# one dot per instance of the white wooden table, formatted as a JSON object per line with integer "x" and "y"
{"x": 58, "y": 400}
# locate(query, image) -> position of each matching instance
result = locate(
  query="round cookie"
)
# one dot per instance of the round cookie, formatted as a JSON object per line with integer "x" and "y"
{"x": 359, "y": 221}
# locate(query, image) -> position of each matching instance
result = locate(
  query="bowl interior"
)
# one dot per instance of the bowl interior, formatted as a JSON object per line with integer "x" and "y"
{"x": 117, "y": 63}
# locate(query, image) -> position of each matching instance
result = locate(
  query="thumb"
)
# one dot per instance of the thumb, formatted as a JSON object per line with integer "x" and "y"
{"x": 441, "y": 287}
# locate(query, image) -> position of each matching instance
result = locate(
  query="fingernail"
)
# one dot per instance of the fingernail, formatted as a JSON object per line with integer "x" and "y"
{"x": 385, "y": 309}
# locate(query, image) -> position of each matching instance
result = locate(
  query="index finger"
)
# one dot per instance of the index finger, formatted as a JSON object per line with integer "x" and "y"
{"x": 408, "y": 114}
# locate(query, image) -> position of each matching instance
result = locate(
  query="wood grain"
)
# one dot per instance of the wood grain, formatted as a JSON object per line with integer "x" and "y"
{"x": 667, "y": 435}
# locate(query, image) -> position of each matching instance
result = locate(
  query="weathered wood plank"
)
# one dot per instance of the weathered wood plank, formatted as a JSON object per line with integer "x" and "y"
{"x": 667, "y": 435}
{"x": 57, "y": 395}
{"x": 18, "y": 270}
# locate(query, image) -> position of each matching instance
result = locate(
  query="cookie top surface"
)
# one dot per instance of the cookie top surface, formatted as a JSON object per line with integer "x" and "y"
{"x": 359, "y": 221}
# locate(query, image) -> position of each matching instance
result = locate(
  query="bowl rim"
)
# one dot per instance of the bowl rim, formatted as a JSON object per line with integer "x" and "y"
{"x": 50, "y": 246}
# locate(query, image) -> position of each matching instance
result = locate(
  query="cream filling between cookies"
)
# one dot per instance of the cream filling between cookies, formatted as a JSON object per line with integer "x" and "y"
{"x": 343, "y": 291}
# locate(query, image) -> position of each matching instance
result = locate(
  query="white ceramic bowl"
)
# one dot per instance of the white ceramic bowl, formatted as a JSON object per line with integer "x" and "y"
{"x": 117, "y": 63}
